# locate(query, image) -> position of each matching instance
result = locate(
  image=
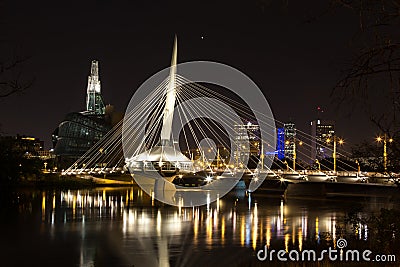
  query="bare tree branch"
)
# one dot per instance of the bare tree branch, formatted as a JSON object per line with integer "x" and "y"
{"x": 11, "y": 80}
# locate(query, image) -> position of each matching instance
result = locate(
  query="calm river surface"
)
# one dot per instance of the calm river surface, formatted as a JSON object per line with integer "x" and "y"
{"x": 125, "y": 227}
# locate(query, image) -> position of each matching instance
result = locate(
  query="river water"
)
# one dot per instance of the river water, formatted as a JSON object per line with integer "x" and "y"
{"x": 126, "y": 227}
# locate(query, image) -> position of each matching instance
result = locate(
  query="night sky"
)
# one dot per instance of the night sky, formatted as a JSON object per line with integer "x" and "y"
{"x": 295, "y": 63}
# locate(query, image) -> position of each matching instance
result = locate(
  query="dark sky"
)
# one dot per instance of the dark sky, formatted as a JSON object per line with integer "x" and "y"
{"x": 295, "y": 63}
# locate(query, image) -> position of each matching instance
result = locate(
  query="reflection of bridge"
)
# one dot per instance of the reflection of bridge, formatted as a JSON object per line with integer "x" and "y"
{"x": 148, "y": 233}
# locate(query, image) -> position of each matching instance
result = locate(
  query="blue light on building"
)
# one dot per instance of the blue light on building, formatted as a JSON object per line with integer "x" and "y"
{"x": 280, "y": 144}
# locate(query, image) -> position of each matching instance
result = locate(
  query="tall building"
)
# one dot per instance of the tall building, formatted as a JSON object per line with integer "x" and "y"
{"x": 94, "y": 99}
{"x": 79, "y": 131}
{"x": 247, "y": 133}
{"x": 321, "y": 130}
{"x": 290, "y": 139}
{"x": 280, "y": 143}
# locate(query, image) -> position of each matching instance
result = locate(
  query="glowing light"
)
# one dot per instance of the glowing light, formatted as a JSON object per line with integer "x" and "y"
{"x": 159, "y": 222}
{"x": 43, "y": 206}
{"x": 242, "y": 232}
{"x": 255, "y": 226}
{"x": 234, "y": 222}
{"x": 209, "y": 228}
{"x": 223, "y": 230}
{"x": 293, "y": 235}
{"x": 287, "y": 237}
{"x": 268, "y": 234}
{"x": 300, "y": 235}
{"x": 208, "y": 179}
{"x": 28, "y": 138}
{"x": 196, "y": 225}
{"x": 73, "y": 207}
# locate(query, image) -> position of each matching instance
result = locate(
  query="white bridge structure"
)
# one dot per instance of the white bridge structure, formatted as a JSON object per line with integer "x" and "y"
{"x": 164, "y": 157}
{"x": 149, "y": 148}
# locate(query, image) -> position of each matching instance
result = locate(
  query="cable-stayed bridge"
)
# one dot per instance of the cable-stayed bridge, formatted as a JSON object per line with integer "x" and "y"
{"x": 210, "y": 119}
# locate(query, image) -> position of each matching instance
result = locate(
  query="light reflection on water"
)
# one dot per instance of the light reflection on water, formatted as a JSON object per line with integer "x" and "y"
{"x": 130, "y": 228}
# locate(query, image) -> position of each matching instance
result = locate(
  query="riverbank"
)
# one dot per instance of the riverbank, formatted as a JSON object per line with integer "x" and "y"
{"x": 55, "y": 180}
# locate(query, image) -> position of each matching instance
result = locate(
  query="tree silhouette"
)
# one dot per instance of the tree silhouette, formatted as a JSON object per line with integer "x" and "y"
{"x": 12, "y": 80}
{"x": 372, "y": 79}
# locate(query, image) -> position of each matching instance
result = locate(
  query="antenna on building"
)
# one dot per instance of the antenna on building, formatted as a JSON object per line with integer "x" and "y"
{"x": 170, "y": 98}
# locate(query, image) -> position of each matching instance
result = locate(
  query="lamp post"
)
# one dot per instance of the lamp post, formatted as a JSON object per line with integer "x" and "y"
{"x": 295, "y": 153}
{"x": 380, "y": 139}
{"x": 262, "y": 156}
{"x": 358, "y": 166}
{"x": 334, "y": 150}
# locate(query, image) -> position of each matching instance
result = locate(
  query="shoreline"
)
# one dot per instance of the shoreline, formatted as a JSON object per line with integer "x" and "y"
{"x": 55, "y": 180}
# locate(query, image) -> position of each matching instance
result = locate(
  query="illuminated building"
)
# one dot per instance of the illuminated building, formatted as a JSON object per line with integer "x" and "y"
{"x": 246, "y": 134}
{"x": 280, "y": 144}
{"x": 290, "y": 139}
{"x": 321, "y": 130}
{"x": 21, "y": 144}
{"x": 94, "y": 99}
{"x": 79, "y": 131}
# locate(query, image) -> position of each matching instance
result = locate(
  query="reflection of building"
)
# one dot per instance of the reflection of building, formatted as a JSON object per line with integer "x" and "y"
{"x": 290, "y": 139}
{"x": 246, "y": 135}
{"x": 321, "y": 130}
{"x": 79, "y": 131}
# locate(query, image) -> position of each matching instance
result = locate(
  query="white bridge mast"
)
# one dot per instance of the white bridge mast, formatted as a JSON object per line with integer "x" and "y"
{"x": 170, "y": 100}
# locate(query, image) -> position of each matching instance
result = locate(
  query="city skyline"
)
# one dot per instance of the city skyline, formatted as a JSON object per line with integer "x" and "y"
{"x": 295, "y": 68}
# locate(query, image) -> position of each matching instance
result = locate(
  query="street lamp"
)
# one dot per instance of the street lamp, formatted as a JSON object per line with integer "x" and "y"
{"x": 358, "y": 166}
{"x": 390, "y": 140}
{"x": 295, "y": 154}
{"x": 335, "y": 141}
